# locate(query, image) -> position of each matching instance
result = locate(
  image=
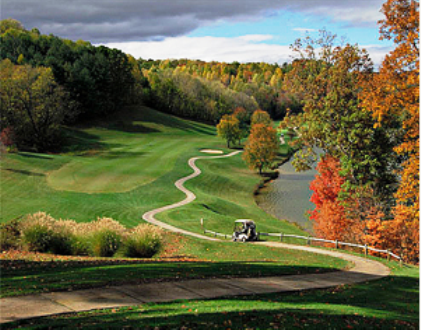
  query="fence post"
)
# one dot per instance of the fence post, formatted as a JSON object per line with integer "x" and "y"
{"x": 365, "y": 250}
{"x": 388, "y": 255}
{"x": 308, "y": 240}
{"x": 400, "y": 262}
{"x": 282, "y": 236}
{"x": 336, "y": 244}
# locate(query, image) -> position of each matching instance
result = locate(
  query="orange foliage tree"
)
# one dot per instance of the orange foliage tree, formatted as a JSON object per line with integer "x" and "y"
{"x": 395, "y": 92}
{"x": 262, "y": 147}
{"x": 329, "y": 216}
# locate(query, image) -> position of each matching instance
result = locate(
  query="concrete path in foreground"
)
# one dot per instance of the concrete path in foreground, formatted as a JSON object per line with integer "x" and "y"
{"x": 17, "y": 308}
{"x": 190, "y": 196}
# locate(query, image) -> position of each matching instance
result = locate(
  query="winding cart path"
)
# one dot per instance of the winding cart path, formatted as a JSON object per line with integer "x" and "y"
{"x": 17, "y": 308}
{"x": 190, "y": 196}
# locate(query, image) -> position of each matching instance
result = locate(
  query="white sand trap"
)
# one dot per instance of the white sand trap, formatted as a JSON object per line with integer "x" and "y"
{"x": 212, "y": 151}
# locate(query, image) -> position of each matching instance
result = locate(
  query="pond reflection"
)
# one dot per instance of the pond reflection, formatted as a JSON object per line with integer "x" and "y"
{"x": 288, "y": 197}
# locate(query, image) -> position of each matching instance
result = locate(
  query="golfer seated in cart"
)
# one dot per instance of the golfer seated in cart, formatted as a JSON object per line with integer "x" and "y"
{"x": 244, "y": 230}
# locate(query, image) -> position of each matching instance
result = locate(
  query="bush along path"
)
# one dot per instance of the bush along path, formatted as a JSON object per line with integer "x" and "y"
{"x": 17, "y": 308}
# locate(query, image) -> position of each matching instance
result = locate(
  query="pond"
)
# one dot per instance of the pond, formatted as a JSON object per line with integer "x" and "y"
{"x": 288, "y": 196}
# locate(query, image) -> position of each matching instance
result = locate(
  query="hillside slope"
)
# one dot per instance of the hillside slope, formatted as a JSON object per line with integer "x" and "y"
{"x": 123, "y": 166}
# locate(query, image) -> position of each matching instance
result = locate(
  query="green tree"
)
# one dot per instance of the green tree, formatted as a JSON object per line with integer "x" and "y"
{"x": 262, "y": 147}
{"x": 33, "y": 104}
{"x": 328, "y": 78}
{"x": 229, "y": 129}
{"x": 243, "y": 117}
{"x": 260, "y": 117}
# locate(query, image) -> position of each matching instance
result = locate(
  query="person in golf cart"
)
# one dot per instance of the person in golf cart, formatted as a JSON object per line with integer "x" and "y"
{"x": 244, "y": 230}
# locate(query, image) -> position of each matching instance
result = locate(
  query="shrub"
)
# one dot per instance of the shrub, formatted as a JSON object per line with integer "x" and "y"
{"x": 105, "y": 243}
{"x": 144, "y": 241}
{"x": 9, "y": 235}
{"x": 42, "y": 233}
{"x": 37, "y": 232}
{"x": 37, "y": 238}
{"x": 80, "y": 245}
{"x": 101, "y": 238}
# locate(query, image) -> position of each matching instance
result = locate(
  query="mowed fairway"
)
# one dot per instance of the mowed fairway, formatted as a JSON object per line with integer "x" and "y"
{"x": 137, "y": 152}
{"x": 126, "y": 165}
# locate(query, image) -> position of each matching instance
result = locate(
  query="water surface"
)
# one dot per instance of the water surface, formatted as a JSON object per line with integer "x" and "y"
{"x": 288, "y": 197}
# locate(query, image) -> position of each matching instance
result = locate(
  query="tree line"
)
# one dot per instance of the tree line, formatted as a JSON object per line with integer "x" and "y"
{"x": 209, "y": 90}
{"x": 84, "y": 81}
{"x": 361, "y": 128}
{"x": 91, "y": 82}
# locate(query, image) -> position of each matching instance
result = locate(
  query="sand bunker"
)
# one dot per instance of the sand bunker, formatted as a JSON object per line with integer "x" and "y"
{"x": 212, "y": 151}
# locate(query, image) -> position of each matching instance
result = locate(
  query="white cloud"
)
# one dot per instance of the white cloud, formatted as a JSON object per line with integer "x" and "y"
{"x": 377, "y": 53}
{"x": 304, "y": 30}
{"x": 256, "y": 37}
{"x": 247, "y": 48}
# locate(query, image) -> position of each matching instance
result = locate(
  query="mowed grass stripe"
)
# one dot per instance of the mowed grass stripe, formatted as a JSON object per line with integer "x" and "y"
{"x": 117, "y": 174}
{"x": 156, "y": 156}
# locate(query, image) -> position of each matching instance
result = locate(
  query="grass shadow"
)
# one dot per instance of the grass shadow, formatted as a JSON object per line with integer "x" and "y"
{"x": 28, "y": 277}
{"x": 382, "y": 304}
{"x": 28, "y": 173}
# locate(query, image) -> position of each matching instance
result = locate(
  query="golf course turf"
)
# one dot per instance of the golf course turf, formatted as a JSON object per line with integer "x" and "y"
{"x": 122, "y": 167}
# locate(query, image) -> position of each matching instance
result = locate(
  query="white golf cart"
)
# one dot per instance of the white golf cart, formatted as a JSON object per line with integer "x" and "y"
{"x": 244, "y": 230}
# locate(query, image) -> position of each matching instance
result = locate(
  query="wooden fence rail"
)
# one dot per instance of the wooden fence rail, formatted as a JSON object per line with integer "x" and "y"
{"x": 309, "y": 239}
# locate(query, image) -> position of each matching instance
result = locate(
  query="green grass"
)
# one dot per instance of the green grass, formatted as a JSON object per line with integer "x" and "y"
{"x": 223, "y": 194}
{"x": 388, "y": 303}
{"x": 205, "y": 259}
{"x": 127, "y": 165}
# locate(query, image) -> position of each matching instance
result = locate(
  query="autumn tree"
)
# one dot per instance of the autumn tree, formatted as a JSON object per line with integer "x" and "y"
{"x": 229, "y": 129}
{"x": 32, "y": 104}
{"x": 394, "y": 93}
{"x": 261, "y": 148}
{"x": 243, "y": 118}
{"x": 260, "y": 117}
{"x": 329, "y": 218}
{"x": 328, "y": 77}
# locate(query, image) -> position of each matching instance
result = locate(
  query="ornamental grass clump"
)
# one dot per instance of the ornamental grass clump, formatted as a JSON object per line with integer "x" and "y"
{"x": 42, "y": 233}
{"x": 144, "y": 241}
{"x": 105, "y": 236}
{"x": 37, "y": 232}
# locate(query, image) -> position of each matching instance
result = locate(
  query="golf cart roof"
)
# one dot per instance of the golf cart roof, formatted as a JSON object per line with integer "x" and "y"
{"x": 244, "y": 220}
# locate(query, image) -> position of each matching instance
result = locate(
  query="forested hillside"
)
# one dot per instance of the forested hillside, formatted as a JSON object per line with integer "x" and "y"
{"x": 208, "y": 90}
{"x": 86, "y": 82}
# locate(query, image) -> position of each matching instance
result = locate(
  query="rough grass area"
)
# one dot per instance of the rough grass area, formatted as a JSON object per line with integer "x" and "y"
{"x": 127, "y": 165}
{"x": 389, "y": 303}
{"x": 28, "y": 273}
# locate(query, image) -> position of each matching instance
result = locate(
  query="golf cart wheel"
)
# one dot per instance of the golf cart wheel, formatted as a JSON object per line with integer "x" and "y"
{"x": 244, "y": 240}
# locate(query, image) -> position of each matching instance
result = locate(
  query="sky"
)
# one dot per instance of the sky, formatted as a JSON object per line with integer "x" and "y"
{"x": 219, "y": 30}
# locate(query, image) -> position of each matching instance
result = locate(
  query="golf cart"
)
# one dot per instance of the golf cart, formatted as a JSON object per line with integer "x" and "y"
{"x": 244, "y": 230}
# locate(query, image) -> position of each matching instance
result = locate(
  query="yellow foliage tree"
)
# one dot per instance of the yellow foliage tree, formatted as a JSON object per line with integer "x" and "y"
{"x": 229, "y": 129}
{"x": 394, "y": 91}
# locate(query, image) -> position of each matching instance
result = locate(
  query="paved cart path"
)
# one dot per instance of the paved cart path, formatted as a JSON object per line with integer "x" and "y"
{"x": 190, "y": 196}
{"x": 126, "y": 295}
